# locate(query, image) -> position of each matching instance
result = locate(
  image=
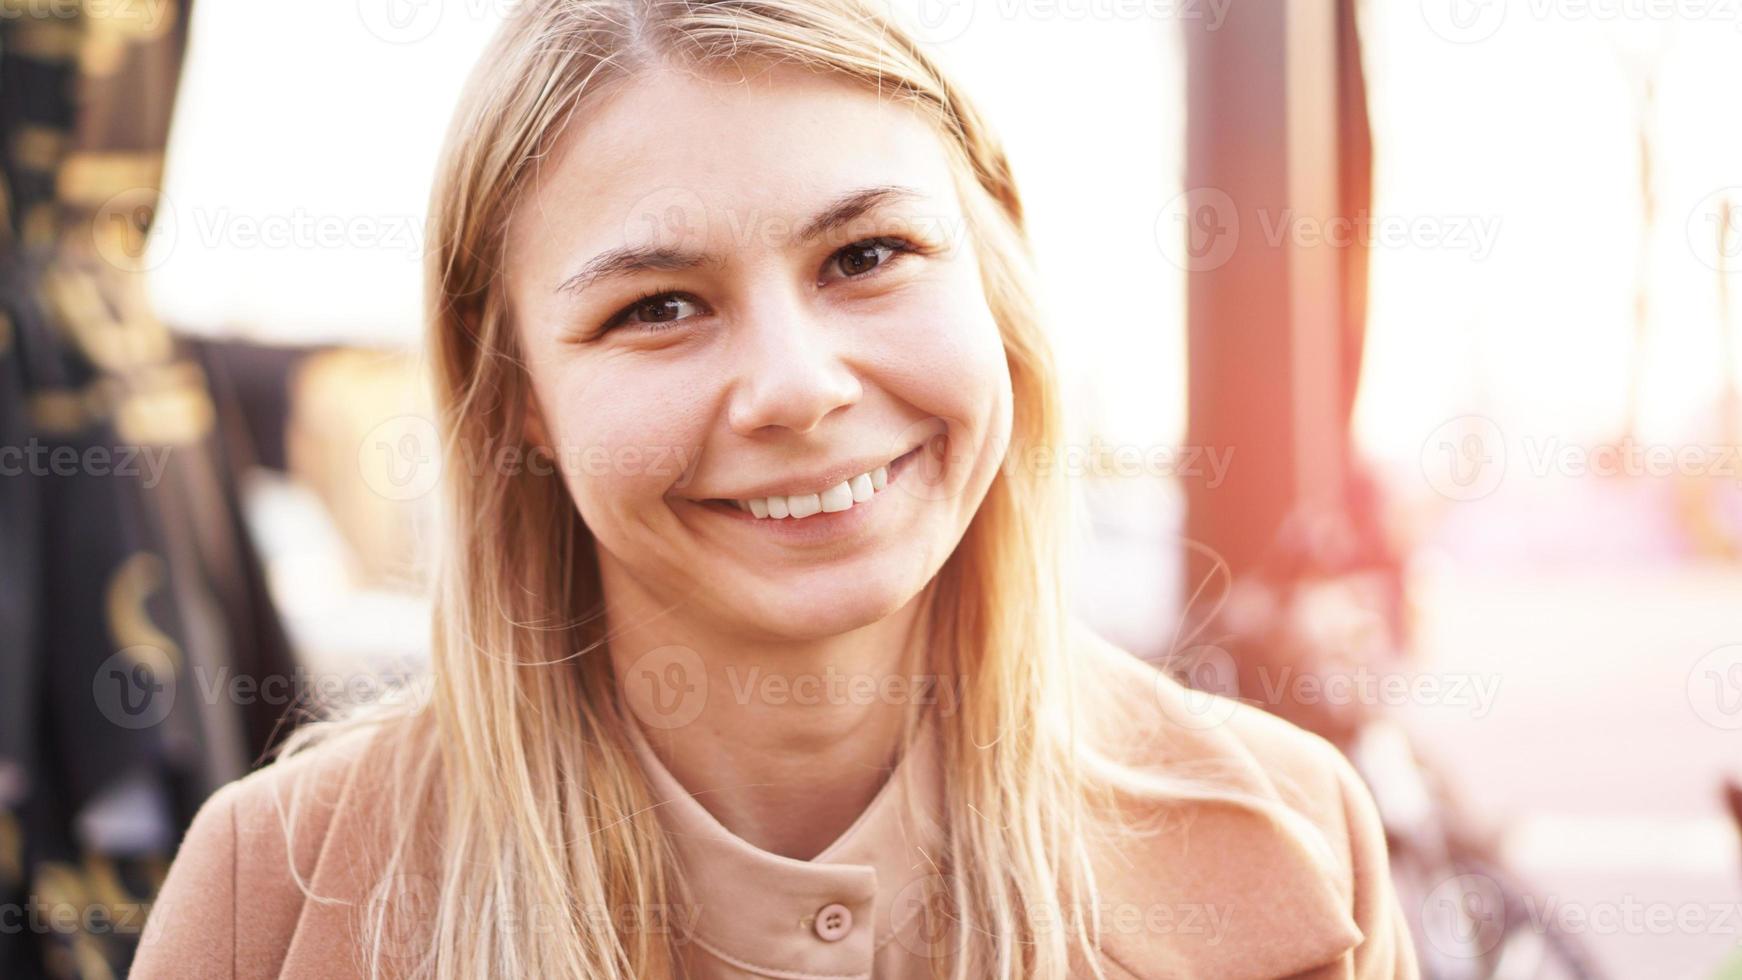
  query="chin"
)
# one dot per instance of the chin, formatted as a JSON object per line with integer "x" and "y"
{"x": 814, "y": 610}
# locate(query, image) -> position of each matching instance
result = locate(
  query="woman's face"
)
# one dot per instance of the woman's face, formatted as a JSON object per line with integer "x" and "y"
{"x": 758, "y": 297}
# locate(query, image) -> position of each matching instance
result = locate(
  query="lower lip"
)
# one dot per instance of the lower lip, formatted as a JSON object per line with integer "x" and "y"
{"x": 822, "y": 527}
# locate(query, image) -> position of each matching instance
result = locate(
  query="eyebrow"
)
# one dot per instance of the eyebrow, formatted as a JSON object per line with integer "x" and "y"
{"x": 618, "y": 263}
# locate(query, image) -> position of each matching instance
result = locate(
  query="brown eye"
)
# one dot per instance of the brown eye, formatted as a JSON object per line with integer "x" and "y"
{"x": 660, "y": 309}
{"x": 860, "y": 258}
{"x": 656, "y": 310}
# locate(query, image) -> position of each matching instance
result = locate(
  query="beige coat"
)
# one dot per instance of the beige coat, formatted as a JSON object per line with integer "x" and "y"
{"x": 1225, "y": 896}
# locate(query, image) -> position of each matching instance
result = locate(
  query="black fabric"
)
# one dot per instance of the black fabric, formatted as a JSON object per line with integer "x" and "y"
{"x": 129, "y": 587}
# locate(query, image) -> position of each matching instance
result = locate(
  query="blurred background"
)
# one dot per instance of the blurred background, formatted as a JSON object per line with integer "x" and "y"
{"x": 1401, "y": 340}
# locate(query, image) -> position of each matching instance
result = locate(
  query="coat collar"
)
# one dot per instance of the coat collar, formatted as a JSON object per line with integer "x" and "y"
{"x": 1218, "y": 891}
{"x": 758, "y": 910}
{"x": 1225, "y": 892}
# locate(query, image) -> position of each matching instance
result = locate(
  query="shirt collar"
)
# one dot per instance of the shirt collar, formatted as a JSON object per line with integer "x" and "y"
{"x": 760, "y": 910}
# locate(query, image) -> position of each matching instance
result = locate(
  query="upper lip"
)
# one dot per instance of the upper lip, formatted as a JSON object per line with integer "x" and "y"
{"x": 816, "y": 481}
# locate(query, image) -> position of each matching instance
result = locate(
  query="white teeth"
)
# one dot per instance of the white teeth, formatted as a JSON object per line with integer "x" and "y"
{"x": 836, "y": 498}
{"x": 841, "y": 496}
{"x": 804, "y": 505}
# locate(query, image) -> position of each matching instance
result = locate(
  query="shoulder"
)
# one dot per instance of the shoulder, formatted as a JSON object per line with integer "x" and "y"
{"x": 1264, "y": 828}
{"x": 1158, "y": 724}
{"x": 261, "y": 848}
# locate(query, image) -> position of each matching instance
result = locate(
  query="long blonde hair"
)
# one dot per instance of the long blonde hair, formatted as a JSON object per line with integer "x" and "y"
{"x": 523, "y": 753}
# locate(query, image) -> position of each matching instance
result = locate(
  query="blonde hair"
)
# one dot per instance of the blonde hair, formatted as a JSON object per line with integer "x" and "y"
{"x": 521, "y": 747}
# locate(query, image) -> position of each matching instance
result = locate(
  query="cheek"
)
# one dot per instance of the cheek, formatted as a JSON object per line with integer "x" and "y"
{"x": 625, "y": 435}
{"x": 944, "y": 355}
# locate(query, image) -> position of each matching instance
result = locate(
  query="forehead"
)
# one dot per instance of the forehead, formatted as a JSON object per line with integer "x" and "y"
{"x": 753, "y": 153}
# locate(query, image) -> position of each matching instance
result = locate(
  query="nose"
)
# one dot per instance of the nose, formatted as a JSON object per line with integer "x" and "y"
{"x": 789, "y": 372}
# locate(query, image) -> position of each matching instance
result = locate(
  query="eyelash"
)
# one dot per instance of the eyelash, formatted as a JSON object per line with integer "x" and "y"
{"x": 898, "y": 246}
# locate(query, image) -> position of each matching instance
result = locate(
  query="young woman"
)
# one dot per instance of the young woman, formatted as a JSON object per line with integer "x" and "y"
{"x": 756, "y": 662}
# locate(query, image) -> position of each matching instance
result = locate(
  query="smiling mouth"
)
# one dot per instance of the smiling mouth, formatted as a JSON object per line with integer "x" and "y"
{"x": 842, "y": 496}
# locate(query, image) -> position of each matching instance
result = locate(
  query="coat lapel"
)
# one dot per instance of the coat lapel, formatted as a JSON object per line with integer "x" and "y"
{"x": 1219, "y": 889}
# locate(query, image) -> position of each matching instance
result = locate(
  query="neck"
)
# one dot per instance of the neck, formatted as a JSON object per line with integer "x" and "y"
{"x": 784, "y": 742}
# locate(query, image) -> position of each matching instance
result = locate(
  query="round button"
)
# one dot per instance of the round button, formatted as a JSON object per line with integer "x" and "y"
{"x": 834, "y": 922}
